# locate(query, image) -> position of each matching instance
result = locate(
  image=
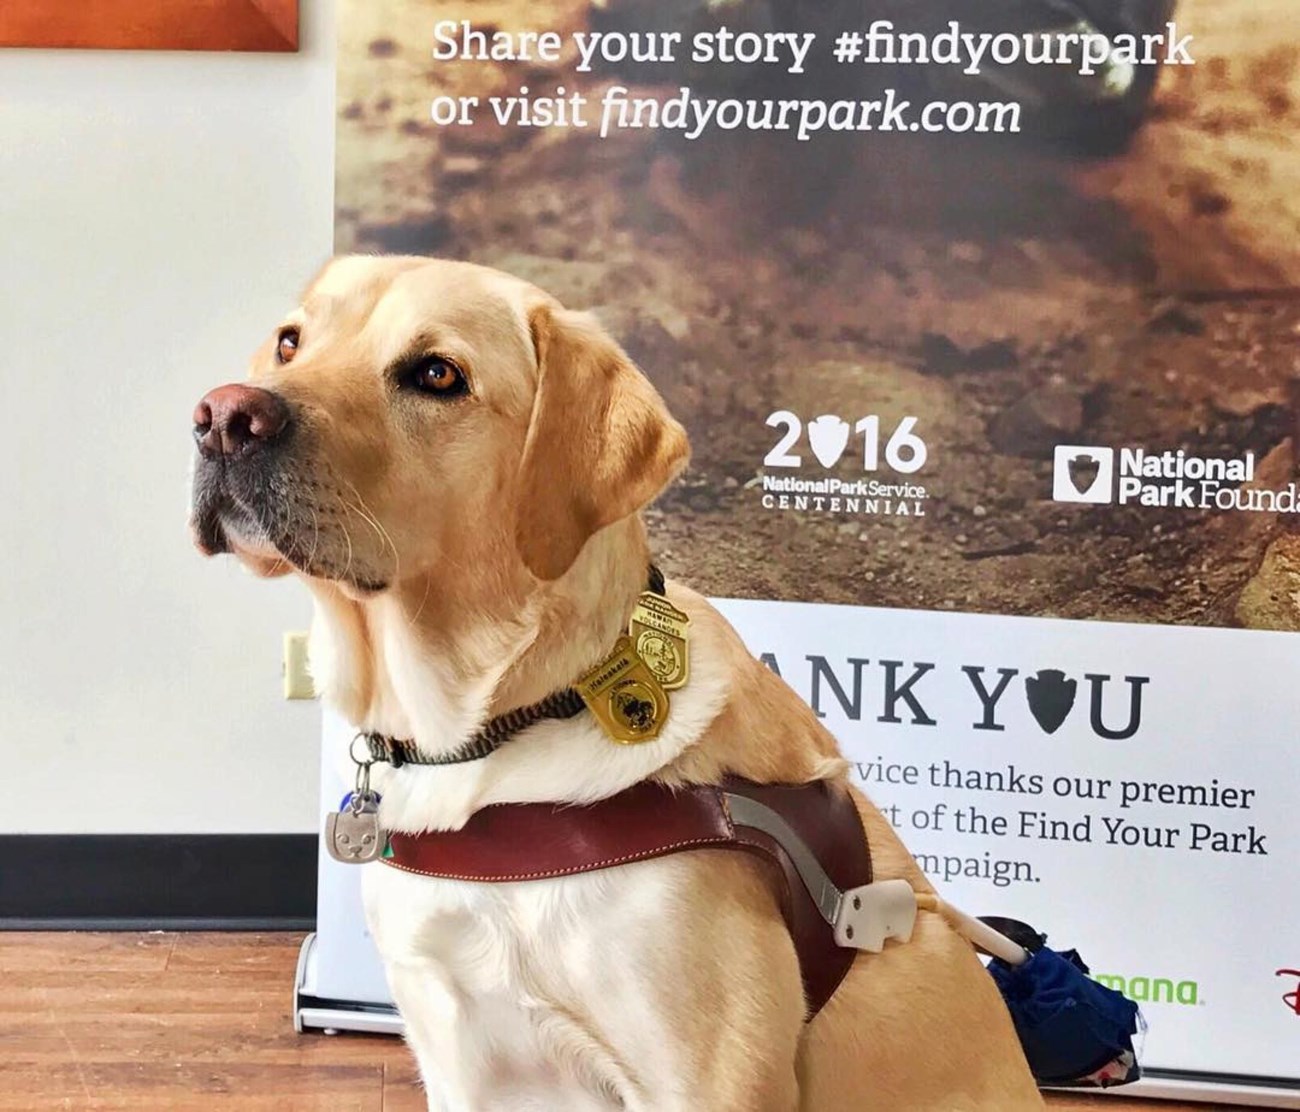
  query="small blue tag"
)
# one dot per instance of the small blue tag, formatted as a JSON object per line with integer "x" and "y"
{"x": 347, "y": 799}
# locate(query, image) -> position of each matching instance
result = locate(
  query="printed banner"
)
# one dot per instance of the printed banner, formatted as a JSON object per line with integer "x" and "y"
{"x": 985, "y": 323}
{"x": 1129, "y": 789}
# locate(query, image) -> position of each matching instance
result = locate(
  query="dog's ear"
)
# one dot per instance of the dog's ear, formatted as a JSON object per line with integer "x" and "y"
{"x": 601, "y": 443}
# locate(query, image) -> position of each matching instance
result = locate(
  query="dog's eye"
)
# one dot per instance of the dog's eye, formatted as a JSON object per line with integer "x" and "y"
{"x": 437, "y": 376}
{"x": 287, "y": 345}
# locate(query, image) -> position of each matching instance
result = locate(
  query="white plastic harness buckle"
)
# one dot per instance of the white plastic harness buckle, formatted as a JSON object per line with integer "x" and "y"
{"x": 874, "y": 912}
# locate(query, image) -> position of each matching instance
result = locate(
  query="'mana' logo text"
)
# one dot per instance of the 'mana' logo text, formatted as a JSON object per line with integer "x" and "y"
{"x": 1152, "y": 990}
{"x": 1134, "y": 476}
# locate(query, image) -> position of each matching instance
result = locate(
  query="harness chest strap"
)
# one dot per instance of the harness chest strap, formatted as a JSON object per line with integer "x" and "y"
{"x": 811, "y": 832}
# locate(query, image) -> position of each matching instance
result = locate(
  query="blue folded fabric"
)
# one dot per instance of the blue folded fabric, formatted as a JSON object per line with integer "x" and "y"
{"x": 1071, "y": 1027}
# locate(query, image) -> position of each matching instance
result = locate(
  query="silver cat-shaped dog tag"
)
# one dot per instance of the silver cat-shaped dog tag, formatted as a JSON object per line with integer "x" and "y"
{"x": 352, "y": 835}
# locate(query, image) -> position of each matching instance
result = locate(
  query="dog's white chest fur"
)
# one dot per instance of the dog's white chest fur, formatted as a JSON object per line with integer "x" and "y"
{"x": 518, "y": 995}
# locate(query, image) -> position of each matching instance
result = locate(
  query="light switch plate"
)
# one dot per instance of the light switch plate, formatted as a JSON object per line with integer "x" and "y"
{"x": 297, "y": 674}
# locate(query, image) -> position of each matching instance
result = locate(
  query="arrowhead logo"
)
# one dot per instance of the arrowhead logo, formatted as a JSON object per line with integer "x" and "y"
{"x": 1083, "y": 474}
{"x": 828, "y": 436}
{"x": 1084, "y": 470}
{"x": 1051, "y": 698}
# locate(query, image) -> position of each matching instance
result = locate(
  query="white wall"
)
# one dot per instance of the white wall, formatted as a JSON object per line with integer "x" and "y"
{"x": 157, "y": 213}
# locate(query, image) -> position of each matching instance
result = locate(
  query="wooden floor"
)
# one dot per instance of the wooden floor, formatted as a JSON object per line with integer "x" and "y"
{"x": 198, "y": 1021}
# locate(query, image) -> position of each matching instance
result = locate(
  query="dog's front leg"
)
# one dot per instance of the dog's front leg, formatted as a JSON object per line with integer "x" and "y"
{"x": 428, "y": 1009}
{"x": 708, "y": 1011}
{"x": 731, "y": 1078}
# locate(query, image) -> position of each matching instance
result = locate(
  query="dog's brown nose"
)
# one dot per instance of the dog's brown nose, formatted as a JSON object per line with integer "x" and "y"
{"x": 235, "y": 419}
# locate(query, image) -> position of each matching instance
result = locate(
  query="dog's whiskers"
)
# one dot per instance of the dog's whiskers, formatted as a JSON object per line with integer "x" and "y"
{"x": 315, "y": 539}
{"x": 370, "y": 518}
{"x": 428, "y": 586}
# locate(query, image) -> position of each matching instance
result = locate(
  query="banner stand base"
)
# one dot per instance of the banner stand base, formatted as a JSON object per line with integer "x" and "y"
{"x": 316, "y": 1013}
{"x": 1168, "y": 1085}
{"x": 330, "y": 1017}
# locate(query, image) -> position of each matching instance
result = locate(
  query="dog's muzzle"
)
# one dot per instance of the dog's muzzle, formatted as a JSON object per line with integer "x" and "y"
{"x": 236, "y": 429}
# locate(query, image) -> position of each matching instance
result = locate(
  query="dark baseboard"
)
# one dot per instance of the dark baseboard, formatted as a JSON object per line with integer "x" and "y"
{"x": 158, "y": 881}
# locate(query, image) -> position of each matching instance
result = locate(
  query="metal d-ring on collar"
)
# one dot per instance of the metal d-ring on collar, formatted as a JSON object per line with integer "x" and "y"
{"x": 382, "y": 749}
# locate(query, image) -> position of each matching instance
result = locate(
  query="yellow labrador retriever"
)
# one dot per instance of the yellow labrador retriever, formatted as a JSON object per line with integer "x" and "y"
{"x": 455, "y": 464}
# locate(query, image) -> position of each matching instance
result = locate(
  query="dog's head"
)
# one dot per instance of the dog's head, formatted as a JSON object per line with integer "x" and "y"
{"x": 415, "y": 417}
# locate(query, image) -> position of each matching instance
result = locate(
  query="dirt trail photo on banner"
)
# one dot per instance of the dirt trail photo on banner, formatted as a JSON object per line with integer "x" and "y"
{"x": 994, "y": 313}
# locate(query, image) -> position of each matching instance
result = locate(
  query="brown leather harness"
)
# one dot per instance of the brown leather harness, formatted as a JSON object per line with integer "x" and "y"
{"x": 811, "y": 832}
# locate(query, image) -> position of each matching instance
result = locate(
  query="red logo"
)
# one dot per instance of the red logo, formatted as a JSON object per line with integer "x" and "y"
{"x": 1291, "y": 999}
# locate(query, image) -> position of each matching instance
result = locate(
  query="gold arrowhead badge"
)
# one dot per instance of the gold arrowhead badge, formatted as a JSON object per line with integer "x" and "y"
{"x": 623, "y": 694}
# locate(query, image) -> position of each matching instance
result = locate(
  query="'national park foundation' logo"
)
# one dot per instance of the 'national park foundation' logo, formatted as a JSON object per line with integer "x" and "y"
{"x": 1174, "y": 479}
